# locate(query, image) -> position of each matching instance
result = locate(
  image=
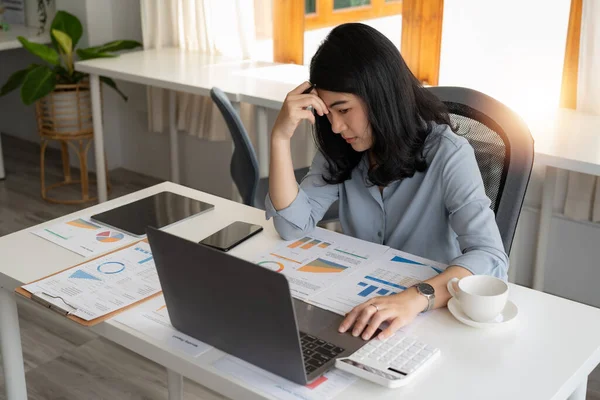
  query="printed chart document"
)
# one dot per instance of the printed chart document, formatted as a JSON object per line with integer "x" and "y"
{"x": 84, "y": 237}
{"x": 103, "y": 285}
{"x": 331, "y": 384}
{"x": 152, "y": 318}
{"x": 391, "y": 273}
{"x": 315, "y": 262}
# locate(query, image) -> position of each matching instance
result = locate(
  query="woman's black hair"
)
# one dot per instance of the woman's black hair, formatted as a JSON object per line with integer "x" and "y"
{"x": 355, "y": 58}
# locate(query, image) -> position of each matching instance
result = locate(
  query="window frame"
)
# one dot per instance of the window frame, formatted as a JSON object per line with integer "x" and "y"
{"x": 325, "y": 15}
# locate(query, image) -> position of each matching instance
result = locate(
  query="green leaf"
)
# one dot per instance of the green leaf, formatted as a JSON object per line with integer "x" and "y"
{"x": 117, "y": 45}
{"x": 113, "y": 85}
{"x": 87, "y": 54}
{"x": 15, "y": 80}
{"x": 69, "y": 24}
{"x": 44, "y": 52}
{"x": 64, "y": 41}
{"x": 39, "y": 82}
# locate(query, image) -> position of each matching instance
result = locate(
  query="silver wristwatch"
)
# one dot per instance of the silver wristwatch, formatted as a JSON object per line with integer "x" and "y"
{"x": 428, "y": 291}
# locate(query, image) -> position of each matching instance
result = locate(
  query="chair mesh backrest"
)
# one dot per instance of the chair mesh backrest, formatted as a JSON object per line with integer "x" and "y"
{"x": 503, "y": 149}
{"x": 244, "y": 163}
{"x": 490, "y": 150}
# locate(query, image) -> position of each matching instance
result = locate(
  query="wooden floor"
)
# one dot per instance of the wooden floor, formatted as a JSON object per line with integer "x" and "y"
{"x": 62, "y": 360}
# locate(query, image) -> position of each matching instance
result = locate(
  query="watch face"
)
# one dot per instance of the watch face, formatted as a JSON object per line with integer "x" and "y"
{"x": 426, "y": 289}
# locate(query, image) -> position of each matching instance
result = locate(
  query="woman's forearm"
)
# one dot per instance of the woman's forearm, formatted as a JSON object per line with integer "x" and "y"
{"x": 283, "y": 188}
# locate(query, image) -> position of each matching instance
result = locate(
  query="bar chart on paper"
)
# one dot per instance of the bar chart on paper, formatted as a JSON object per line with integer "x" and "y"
{"x": 307, "y": 243}
{"x": 317, "y": 261}
{"x": 146, "y": 252}
{"x": 383, "y": 278}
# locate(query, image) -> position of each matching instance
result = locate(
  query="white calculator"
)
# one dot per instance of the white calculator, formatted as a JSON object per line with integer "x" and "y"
{"x": 390, "y": 362}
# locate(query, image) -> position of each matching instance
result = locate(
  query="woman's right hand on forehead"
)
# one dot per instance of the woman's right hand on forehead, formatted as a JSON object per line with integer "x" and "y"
{"x": 295, "y": 109}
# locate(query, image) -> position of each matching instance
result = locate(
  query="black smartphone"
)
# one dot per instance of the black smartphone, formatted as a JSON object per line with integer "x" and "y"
{"x": 232, "y": 235}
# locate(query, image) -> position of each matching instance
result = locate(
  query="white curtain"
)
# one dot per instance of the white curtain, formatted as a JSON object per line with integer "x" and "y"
{"x": 583, "y": 191}
{"x": 216, "y": 27}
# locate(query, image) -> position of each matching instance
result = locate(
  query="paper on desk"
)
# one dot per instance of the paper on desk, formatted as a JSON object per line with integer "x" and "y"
{"x": 101, "y": 286}
{"x": 84, "y": 237}
{"x": 152, "y": 318}
{"x": 327, "y": 387}
{"x": 314, "y": 262}
{"x": 390, "y": 273}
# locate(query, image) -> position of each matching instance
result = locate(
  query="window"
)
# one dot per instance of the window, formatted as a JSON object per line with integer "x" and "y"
{"x": 324, "y": 13}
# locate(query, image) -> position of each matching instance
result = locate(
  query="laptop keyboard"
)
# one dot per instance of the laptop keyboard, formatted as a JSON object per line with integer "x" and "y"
{"x": 317, "y": 352}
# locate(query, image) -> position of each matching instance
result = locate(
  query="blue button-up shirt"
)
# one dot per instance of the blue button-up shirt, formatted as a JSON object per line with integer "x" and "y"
{"x": 442, "y": 213}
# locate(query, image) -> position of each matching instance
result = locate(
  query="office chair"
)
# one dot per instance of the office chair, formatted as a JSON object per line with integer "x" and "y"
{"x": 503, "y": 148}
{"x": 244, "y": 163}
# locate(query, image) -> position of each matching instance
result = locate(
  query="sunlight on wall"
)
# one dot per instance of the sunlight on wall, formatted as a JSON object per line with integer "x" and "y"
{"x": 512, "y": 50}
{"x": 391, "y": 27}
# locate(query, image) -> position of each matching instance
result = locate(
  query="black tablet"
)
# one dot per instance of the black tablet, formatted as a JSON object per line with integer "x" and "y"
{"x": 158, "y": 210}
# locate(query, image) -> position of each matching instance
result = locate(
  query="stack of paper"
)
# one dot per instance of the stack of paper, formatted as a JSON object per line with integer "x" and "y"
{"x": 338, "y": 272}
{"x": 103, "y": 285}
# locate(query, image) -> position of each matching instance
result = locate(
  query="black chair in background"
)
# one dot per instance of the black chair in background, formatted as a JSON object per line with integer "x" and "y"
{"x": 244, "y": 163}
{"x": 503, "y": 148}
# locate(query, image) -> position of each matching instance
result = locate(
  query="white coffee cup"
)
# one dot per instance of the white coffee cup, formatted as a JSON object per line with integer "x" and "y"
{"x": 481, "y": 297}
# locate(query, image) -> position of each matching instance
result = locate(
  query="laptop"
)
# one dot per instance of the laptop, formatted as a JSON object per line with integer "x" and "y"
{"x": 246, "y": 310}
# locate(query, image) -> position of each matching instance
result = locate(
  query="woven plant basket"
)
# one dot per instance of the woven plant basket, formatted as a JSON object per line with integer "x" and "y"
{"x": 65, "y": 115}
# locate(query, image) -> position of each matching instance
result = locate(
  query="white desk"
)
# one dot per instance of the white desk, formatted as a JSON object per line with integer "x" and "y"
{"x": 9, "y": 41}
{"x": 547, "y": 354}
{"x": 568, "y": 140}
{"x": 169, "y": 68}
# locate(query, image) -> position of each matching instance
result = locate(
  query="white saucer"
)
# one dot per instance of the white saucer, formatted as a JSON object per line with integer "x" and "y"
{"x": 507, "y": 315}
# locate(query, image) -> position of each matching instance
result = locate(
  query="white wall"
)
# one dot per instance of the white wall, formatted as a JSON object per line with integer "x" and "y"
{"x": 572, "y": 267}
{"x": 505, "y": 49}
{"x": 15, "y": 118}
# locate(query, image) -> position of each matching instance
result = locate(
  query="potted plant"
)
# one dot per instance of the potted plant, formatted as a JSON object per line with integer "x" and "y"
{"x": 62, "y": 95}
{"x": 39, "y": 80}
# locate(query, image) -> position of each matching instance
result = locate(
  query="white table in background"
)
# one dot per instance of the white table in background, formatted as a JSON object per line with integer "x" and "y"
{"x": 9, "y": 41}
{"x": 547, "y": 354}
{"x": 266, "y": 87}
{"x": 168, "y": 68}
{"x": 569, "y": 140}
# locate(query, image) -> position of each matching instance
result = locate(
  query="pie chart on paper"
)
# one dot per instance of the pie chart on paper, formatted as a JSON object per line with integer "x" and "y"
{"x": 272, "y": 265}
{"x": 109, "y": 237}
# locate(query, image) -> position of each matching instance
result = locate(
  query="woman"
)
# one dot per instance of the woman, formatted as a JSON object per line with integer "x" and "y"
{"x": 388, "y": 153}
